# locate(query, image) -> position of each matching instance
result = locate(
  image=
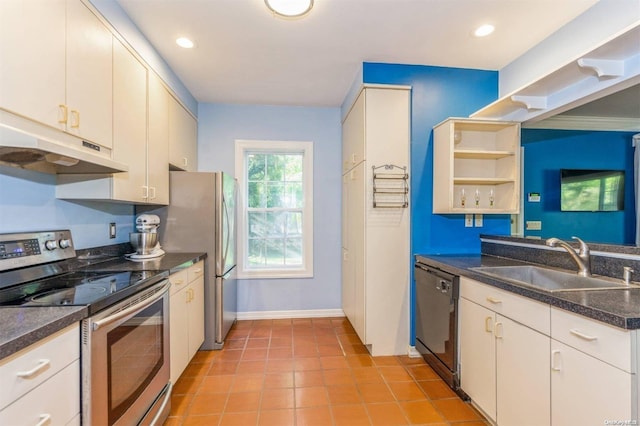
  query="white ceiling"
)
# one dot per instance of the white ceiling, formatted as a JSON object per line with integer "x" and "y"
{"x": 246, "y": 55}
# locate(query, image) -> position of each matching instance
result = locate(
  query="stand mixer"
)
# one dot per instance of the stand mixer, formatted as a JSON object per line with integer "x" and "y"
{"x": 145, "y": 224}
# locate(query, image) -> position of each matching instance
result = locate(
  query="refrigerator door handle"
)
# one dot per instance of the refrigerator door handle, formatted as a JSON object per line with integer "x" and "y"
{"x": 228, "y": 235}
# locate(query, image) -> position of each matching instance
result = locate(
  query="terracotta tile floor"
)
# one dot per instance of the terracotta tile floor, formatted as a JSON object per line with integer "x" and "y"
{"x": 310, "y": 372}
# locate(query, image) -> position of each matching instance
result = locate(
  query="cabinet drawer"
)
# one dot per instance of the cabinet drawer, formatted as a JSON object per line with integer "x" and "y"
{"x": 26, "y": 369}
{"x": 57, "y": 399}
{"x": 195, "y": 271}
{"x": 179, "y": 280}
{"x": 525, "y": 311}
{"x": 602, "y": 341}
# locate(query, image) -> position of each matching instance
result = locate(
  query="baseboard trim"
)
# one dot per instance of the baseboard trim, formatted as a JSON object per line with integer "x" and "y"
{"x": 311, "y": 313}
{"x": 413, "y": 352}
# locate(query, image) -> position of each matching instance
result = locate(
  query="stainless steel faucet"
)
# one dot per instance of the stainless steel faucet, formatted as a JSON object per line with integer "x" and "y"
{"x": 582, "y": 258}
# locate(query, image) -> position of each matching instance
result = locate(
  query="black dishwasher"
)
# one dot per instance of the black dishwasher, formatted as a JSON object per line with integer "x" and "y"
{"x": 436, "y": 306}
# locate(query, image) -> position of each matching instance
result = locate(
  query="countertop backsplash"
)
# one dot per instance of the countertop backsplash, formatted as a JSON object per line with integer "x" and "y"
{"x": 606, "y": 259}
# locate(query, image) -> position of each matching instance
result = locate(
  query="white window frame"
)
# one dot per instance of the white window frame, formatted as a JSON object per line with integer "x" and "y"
{"x": 306, "y": 148}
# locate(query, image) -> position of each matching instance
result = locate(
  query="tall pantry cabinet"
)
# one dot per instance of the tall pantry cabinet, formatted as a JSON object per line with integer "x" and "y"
{"x": 375, "y": 240}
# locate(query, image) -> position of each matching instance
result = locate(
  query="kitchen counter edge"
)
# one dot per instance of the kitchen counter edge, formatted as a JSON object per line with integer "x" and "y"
{"x": 606, "y": 306}
{"x": 24, "y": 326}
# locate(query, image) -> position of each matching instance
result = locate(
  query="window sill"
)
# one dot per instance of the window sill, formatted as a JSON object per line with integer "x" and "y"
{"x": 275, "y": 274}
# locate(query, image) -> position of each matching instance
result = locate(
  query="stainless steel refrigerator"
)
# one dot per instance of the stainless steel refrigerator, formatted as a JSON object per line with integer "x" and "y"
{"x": 201, "y": 217}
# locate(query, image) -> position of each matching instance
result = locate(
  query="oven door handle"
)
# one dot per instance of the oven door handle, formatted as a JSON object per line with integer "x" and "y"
{"x": 131, "y": 309}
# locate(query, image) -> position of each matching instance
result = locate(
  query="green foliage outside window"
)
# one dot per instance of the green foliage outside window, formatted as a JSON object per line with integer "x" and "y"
{"x": 275, "y": 201}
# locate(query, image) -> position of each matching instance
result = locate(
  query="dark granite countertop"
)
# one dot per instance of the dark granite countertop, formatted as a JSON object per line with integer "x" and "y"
{"x": 619, "y": 307}
{"x": 22, "y": 327}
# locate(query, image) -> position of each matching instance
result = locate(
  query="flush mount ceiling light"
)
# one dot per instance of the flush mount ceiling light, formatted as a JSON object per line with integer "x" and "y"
{"x": 289, "y": 8}
{"x": 184, "y": 42}
{"x": 484, "y": 30}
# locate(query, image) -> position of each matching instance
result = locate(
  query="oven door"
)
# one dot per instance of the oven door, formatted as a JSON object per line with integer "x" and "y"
{"x": 125, "y": 360}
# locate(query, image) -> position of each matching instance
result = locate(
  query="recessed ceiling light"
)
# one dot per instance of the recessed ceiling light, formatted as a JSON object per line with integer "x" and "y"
{"x": 484, "y": 30}
{"x": 289, "y": 8}
{"x": 184, "y": 42}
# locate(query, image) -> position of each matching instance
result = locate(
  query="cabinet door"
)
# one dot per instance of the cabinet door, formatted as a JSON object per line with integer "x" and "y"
{"x": 522, "y": 359}
{"x": 348, "y": 271}
{"x": 88, "y": 75}
{"x": 353, "y": 135}
{"x": 158, "y": 141}
{"x": 129, "y": 124}
{"x": 478, "y": 355}
{"x": 178, "y": 334}
{"x": 54, "y": 402}
{"x": 196, "y": 315}
{"x": 32, "y": 58}
{"x": 183, "y": 135}
{"x": 357, "y": 250}
{"x": 585, "y": 390}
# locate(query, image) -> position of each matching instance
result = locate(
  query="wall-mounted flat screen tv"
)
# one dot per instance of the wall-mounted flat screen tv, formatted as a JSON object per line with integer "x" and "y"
{"x": 591, "y": 190}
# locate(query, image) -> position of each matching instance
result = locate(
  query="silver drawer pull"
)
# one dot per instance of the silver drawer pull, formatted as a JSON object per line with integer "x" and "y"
{"x": 197, "y": 271}
{"x": 43, "y": 364}
{"x": 493, "y": 300}
{"x": 44, "y": 419}
{"x": 582, "y": 335}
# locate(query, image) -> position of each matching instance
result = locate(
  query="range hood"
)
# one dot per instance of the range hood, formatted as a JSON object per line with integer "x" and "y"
{"x": 29, "y": 145}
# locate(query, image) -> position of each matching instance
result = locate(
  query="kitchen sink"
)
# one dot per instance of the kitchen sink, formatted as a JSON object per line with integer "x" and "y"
{"x": 550, "y": 280}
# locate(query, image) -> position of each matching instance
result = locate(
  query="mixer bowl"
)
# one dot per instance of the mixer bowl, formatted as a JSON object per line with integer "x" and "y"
{"x": 143, "y": 242}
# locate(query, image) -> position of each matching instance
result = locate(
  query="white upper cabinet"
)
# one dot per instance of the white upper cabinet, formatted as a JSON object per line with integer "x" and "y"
{"x": 88, "y": 106}
{"x": 476, "y": 166}
{"x": 158, "y": 141}
{"x": 140, "y": 131}
{"x": 129, "y": 125}
{"x": 183, "y": 138}
{"x": 32, "y": 58}
{"x": 55, "y": 63}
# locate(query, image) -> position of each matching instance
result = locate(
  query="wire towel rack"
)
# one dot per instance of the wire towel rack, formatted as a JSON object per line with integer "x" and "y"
{"x": 390, "y": 186}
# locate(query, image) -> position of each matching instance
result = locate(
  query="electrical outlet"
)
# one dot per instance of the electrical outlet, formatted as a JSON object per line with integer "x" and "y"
{"x": 112, "y": 230}
{"x": 533, "y": 225}
{"x": 478, "y": 220}
{"x": 468, "y": 220}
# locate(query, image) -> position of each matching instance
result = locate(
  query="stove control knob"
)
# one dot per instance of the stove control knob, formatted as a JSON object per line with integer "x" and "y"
{"x": 50, "y": 245}
{"x": 64, "y": 243}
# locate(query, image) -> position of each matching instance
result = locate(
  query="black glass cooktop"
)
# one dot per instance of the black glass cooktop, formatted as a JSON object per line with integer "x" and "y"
{"x": 97, "y": 290}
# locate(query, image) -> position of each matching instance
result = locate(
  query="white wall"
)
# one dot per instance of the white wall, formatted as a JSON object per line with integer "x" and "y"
{"x": 28, "y": 203}
{"x": 218, "y": 128}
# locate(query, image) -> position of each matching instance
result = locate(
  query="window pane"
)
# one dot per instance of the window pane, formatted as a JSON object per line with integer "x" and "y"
{"x": 274, "y": 249}
{"x": 293, "y": 168}
{"x": 275, "y": 167}
{"x": 255, "y": 166}
{"x": 294, "y": 223}
{"x": 256, "y": 194}
{"x": 256, "y": 252}
{"x": 294, "y": 252}
{"x": 276, "y": 224}
{"x": 275, "y": 195}
{"x": 257, "y": 224}
{"x": 293, "y": 195}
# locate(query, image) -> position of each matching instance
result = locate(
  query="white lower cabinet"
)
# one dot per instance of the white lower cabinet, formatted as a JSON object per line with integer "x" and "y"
{"x": 593, "y": 377}
{"x": 478, "y": 355}
{"x": 522, "y": 371}
{"x": 525, "y": 363}
{"x": 499, "y": 355}
{"x": 186, "y": 317}
{"x": 41, "y": 383}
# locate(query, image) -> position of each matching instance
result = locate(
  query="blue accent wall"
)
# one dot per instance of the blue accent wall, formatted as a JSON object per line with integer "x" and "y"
{"x": 437, "y": 94}
{"x": 548, "y": 151}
